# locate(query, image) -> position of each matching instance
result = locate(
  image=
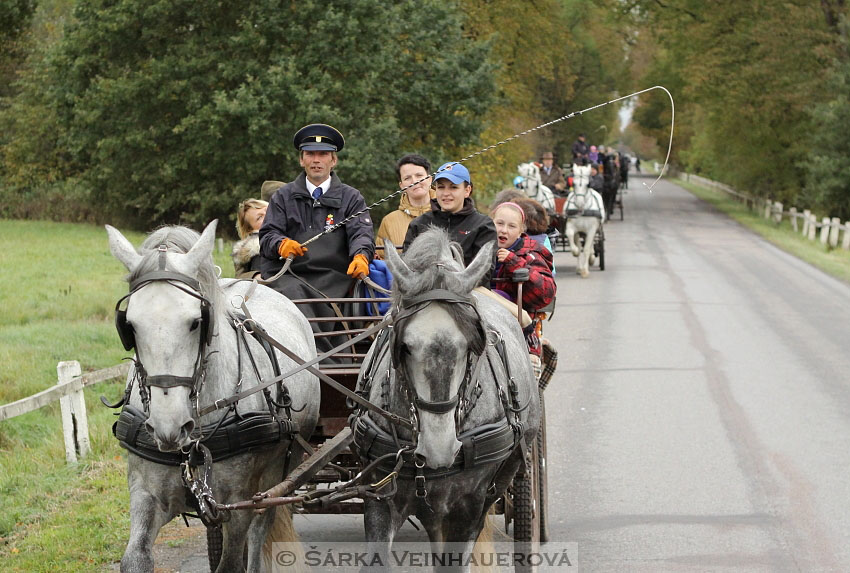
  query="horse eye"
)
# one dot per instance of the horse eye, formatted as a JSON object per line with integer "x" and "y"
{"x": 405, "y": 349}
{"x": 195, "y": 324}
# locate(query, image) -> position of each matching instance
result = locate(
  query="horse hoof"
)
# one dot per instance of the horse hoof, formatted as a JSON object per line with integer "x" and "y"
{"x": 584, "y": 274}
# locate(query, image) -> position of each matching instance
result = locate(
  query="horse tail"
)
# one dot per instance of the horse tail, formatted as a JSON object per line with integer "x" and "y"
{"x": 283, "y": 531}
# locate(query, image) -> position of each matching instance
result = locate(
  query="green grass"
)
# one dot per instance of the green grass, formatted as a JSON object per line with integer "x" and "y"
{"x": 58, "y": 289}
{"x": 834, "y": 261}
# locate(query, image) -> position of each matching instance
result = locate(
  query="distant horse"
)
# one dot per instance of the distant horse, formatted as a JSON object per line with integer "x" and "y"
{"x": 585, "y": 213}
{"x": 458, "y": 363}
{"x": 533, "y": 186}
{"x": 192, "y": 349}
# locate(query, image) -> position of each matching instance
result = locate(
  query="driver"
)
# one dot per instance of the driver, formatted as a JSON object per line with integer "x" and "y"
{"x": 300, "y": 210}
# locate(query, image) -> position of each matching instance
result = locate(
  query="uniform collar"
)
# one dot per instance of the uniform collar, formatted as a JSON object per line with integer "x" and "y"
{"x": 326, "y": 184}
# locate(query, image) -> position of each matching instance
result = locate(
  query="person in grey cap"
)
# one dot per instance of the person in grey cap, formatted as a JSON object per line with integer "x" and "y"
{"x": 302, "y": 209}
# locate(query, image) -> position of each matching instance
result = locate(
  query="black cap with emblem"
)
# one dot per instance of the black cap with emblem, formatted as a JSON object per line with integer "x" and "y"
{"x": 318, "y": 137}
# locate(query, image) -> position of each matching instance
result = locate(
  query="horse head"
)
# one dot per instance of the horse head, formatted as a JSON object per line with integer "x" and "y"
{"x": 437, "y": 336}
{"x": 169, "y": 321}
{"x": 530, "y": 174}
{"x": 579, "y": 198}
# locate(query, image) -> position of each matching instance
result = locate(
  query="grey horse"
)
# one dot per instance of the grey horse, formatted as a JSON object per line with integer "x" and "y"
{"x": 458, "y": 360}
{"x": 188, "y": 331}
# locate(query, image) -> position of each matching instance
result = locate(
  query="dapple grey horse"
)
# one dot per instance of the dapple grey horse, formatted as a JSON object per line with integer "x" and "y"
{"x": 459, "y": 361}
{"x": 585, "y": 214}
{"x": 176, "y": 300}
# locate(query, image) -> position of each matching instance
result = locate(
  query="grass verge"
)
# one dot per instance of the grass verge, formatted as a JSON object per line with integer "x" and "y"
{"x": 834, "y": 261}
{"x": 58, "y": 290}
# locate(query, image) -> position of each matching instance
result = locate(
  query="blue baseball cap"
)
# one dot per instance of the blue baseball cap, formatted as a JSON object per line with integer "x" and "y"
{"x": 454, "y": 172}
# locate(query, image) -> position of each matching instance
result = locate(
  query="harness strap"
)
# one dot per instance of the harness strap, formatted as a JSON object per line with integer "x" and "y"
{"x": 438, "y": 406}
{"x": 169, "y": 381}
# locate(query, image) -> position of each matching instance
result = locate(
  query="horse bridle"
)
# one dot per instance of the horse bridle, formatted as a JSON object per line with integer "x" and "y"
{"x": 191, "y": 287}
{"x": 408, "y": 308}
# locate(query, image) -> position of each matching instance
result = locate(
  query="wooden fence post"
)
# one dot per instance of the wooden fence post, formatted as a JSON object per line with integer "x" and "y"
{"x": 845, "y": 242}
{"x": 806, "y": 215}
{"x": 792, "y": 213}
{"x": 833, "y": 232}
{"x": 220, "y": 244}
{"x": 768, "y": 207}
{"x": 75, "y": 425}
{"x": 813, "y": 227}
{"x": 824, "y": 230}
{"x": 777, "y": 212}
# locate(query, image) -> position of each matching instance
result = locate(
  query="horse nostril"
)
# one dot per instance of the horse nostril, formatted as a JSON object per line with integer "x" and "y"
{"x": 186, "y": 429}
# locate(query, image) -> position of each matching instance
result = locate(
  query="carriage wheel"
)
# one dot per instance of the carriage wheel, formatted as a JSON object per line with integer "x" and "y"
{"x": 602, "y": 254}
{"x": 542, "y": 479}
{"x": 526, "y": 517}
{"x": 214, "y": 545}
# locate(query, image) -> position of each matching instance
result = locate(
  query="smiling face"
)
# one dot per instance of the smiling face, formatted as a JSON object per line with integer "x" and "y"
{"x": 318, "y": 165}
{"x": 450, "y": 195}
{"x": 254, "y": 217}
{"x": 419, "y": 194}
{"x": 509, "y": 225}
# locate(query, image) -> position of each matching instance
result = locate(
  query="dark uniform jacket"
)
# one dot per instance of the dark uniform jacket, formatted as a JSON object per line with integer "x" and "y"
{"x": 468, "y": 227}
{"x": 293, "y": 213}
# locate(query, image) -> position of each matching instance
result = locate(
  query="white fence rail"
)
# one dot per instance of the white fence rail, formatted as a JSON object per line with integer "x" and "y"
{"x": 830, "y": 228}
{"x": 69, "y": 392}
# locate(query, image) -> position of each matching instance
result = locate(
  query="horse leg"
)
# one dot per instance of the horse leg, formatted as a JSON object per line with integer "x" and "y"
{"x": 257, "y": 532}
{"x": 147, "y": 516}
{"x": 571, "y": 237}
{"x": 234, "y": 533}
{"x": 381, "y": 521}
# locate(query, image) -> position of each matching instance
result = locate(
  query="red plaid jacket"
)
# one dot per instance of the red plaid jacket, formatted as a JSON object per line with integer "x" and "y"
{"x": 540, "y": 288}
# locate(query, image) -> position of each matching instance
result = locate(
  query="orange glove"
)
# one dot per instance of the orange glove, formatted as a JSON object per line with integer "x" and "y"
{"x": 290, "y": 247}
{"x": 359, "y": 266}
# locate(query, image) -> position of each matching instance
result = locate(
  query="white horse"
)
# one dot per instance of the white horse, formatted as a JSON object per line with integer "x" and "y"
{"x": 193, "y": 351}
{"x": 585, "y": 214}
{"x": 533, "y": 186}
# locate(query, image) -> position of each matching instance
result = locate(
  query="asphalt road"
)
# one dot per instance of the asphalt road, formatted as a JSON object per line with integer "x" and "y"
{"x": 702, "y": 392}
{"x": 699, "y": 417}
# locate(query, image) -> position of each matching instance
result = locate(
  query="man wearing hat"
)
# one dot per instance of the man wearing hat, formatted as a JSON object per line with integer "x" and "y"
{"x": 551, "y": 175}
{"x": 302, "y": 209}
{"x": 454, "y": 211}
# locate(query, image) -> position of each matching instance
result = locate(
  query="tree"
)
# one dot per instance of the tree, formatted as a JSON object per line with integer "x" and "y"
{"x": 174, "y": 110}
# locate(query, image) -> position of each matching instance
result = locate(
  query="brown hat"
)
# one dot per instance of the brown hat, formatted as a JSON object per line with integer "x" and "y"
{"x": 268, "y": 189}
{"x": 547, "y": 155}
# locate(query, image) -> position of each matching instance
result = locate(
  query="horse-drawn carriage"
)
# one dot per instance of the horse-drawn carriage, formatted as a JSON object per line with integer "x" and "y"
{"x": 580, "y": 215}
{"x": 431, "y": 410}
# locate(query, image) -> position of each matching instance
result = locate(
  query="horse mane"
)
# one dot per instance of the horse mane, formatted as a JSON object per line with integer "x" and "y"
{"x": 178, "y": 239}
{"x": 434, "y": 266}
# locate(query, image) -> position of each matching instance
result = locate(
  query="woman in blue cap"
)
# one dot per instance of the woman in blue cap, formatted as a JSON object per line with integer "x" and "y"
{"x": 454, "y": 211}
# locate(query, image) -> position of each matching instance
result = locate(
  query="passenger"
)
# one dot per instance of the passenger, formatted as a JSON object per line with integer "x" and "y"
{"x": 454, "y": 210}
{"x": 517, "y": 250}
{"x": 551, "y": 175}
{"x": 536, "y": 222}
{"x": 246, "y": 251}
{"x": 597, "y": 183}
{"x": 414, "y": 202}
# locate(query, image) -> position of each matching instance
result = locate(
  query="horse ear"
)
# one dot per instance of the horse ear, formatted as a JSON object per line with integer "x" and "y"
{"x": 203, "y": 249}
{"x": 122, "y": 249}
{"x": 479, "y": 266}
{"x": 401, "y": 272}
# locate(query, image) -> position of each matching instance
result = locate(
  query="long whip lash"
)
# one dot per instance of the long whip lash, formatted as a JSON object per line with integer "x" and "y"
{"x": 571, "y": 115}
